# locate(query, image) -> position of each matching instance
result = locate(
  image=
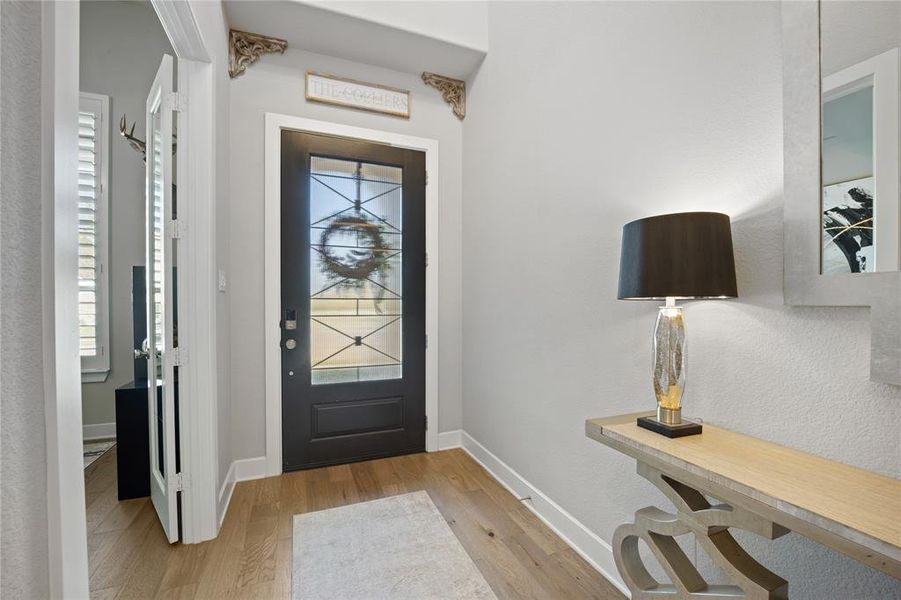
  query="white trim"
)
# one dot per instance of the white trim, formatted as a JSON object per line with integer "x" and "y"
{"x": 66, "y": 517}
{"x": 274, "y": 123}
{"x": 177, "y": 19}
{"x": 245, "y": 469}
{"x": 92, "y": 376}
{"x": 586, "y": 543}
{"x": 99, "y": 431}
{"x": 450, "y": 439}
{"x": 198, "y": 418}
{"x": 225, "y": 495}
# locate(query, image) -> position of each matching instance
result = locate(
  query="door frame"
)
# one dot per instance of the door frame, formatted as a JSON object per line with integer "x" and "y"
{"x": 66, "y": 518}
{"x": 274, "y": 124}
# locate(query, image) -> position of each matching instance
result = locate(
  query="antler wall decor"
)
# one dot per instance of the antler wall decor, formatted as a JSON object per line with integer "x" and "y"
{"x": 245, "y": 48}
{"x": 453, "y": 91}
{"x": 138, "y": 145}
{"x": 129, "y": 135}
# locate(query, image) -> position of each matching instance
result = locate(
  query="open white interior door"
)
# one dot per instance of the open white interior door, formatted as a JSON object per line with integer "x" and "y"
{"x": 163, "y": 355}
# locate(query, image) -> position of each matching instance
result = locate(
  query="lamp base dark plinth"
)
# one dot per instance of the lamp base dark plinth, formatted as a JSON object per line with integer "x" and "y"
{"x": 671, "y": 431}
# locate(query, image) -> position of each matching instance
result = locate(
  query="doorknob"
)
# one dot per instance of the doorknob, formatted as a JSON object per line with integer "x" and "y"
{"x": 144, "y": 352}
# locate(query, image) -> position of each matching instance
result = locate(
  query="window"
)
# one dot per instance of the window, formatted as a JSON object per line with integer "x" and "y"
{"x": 356, "y": 302}
{"x": 93, "y": 236}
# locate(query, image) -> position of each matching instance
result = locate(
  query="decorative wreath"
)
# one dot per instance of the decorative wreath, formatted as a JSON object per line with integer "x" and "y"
{"x": 359, "y": 264}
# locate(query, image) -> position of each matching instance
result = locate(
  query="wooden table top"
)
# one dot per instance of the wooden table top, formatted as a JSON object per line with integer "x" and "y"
{"x": 860, "y": 505}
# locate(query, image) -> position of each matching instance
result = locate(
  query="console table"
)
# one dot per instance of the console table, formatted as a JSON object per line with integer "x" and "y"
{"x": 759, "y": 486}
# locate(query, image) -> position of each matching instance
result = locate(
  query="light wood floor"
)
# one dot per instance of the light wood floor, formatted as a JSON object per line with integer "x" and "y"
{"x": 518, "y": 555}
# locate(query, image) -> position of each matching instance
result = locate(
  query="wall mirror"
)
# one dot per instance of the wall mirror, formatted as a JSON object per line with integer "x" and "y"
{"x": 842, "y": 156}
{"x": 859, "y": 65}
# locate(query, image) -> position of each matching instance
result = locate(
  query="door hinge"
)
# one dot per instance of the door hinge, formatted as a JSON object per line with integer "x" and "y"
{"x": 427, "y": 178}
{"x": 176, "y": 229}
{"x": 177, "y": 102}
{"x": 427, "y": 341}
{"x": 425, "y": 422}
{"x": 179, "y": 357}
{"x": 179, "y": 482}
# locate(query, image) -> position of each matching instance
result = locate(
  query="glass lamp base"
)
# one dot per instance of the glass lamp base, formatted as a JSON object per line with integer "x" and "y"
{"x": 671, "y": 431}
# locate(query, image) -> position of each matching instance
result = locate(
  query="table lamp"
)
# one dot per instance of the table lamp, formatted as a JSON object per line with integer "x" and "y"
{"x": 682, "y": 256}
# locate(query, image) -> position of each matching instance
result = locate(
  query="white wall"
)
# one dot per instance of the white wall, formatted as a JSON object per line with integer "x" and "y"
{"x": 122, "y": 44}
{"x": 276, "y": 84}
{"x": 585, "y": 116}
{"x": 24, "y": 569}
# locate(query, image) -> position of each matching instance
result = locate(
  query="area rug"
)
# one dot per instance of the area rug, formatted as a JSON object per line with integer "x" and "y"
{"x": 94, "y": 450}
{"x": 397, "y": 548}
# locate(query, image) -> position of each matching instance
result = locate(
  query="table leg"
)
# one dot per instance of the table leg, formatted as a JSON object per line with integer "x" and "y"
{"x": 710, "y": 525}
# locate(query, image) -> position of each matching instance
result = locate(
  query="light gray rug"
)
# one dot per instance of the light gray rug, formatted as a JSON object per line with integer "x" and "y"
{"x": 94, "y": 450}
{"x": 397, "y": 548}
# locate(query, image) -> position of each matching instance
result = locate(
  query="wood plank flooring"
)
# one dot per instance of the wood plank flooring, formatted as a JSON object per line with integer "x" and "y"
{"x": 518, "y": 555}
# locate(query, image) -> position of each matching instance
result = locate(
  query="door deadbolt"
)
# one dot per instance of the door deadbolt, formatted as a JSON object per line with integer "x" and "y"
{"x": 291, "y": 344}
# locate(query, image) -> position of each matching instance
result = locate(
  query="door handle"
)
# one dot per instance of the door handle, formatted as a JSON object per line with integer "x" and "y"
{"x": 144, "y": 352}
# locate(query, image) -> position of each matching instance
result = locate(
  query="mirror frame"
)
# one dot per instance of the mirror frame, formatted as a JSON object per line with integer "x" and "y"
{"x": 803, "y": 284}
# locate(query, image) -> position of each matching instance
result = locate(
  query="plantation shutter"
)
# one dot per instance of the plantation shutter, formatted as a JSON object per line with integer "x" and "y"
{"x": 89, "y": 191}
{"x": 93, "y": 237}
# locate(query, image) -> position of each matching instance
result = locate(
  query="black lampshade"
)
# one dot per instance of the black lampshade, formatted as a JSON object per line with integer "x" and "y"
{"x": 683, "y": 255}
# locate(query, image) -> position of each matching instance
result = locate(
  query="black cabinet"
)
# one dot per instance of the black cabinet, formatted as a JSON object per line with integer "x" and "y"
{"x": 132, "y": 440}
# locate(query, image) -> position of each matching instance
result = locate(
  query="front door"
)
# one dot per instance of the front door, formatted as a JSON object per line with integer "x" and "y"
{"x": 353, "y": 300}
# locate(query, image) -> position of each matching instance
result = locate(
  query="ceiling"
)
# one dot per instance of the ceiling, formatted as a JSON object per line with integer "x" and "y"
{"x": 342, "y": 35}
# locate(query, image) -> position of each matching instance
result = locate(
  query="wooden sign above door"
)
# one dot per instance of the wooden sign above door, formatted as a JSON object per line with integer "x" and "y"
{"x": 340, "y": 91}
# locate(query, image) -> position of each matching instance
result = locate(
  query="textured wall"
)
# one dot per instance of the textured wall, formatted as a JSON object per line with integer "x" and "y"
{"x": 122, "y": 44}
{"x": 281, "y": 78}
{"x": 23, "y": 469}
{"x": 583, "y": 117}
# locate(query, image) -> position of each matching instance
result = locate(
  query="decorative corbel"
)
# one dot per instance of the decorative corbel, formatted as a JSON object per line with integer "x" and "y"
{"x": 245, "y": 48}
{"x": 452, "y": 90}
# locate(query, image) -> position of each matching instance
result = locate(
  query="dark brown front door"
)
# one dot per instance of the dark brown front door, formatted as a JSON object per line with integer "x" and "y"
{"x": 353, "y": 300}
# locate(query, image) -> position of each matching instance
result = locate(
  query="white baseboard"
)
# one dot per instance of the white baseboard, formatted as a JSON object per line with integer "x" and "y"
{"x": 99, "y": 431}
{"x": 225, "y": 495}
{"x": 450, "y": 439}
{"x": 587, "y": 544}
{"x": 244, "y": 469}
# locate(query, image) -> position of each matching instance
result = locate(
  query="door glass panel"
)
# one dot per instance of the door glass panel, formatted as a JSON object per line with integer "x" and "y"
{"x": 157, "y": 340}
{"x": 356, "y": 297}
